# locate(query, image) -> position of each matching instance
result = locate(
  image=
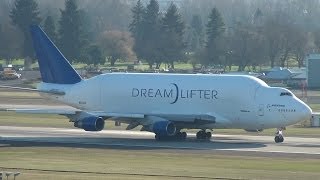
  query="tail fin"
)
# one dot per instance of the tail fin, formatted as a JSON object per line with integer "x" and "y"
{"x": 54, "y": 67}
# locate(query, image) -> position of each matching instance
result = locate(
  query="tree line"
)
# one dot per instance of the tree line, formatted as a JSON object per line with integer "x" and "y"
{"x": 204, "y": 33}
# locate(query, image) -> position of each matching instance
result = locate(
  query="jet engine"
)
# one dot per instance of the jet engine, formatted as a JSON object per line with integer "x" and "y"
{"x": 164, "y": 128}
{"x": 90, "y": 123}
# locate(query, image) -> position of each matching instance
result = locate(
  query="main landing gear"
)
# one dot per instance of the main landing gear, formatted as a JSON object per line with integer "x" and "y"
{"x": 181, "y": 136}
{"x": 279, "y": 136}
{"x": 178, "y": 136}
{"x": 203, "y": 135}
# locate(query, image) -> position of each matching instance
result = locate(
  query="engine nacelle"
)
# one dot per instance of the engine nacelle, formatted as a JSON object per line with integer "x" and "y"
{"x": 164, "y": 128}
{"x": 90, "y": 123}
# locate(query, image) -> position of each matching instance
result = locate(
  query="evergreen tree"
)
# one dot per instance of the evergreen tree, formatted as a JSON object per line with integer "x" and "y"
{"x": 50, "y": 28}
{"x": 215, "y": 29}
{"x": 152, "y": 35}
{"x": 10, "y": 42}
{"x": 136, "y": 27}
{"x": 197, "y": 33}
{"x": 94, "y": 55}
{"x": 172, "y": 41}
{"x": 23, "y": 14}
{"x": 71, "y": 31}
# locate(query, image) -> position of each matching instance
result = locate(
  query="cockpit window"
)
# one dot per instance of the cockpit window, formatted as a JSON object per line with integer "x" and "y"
{"x": 285, "y": 94}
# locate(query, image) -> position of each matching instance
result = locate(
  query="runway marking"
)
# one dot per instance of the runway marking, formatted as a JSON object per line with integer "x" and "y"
{"x": 158, "y": 146}
{"x": 239, "y": 143}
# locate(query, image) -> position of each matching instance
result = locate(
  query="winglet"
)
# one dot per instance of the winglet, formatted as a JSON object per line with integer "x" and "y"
{"x": 54, "y": 67}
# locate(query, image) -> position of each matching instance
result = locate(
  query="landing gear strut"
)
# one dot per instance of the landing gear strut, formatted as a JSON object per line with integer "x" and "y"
{"x": 204, "y": 135}
{"x": 178, "y": 136}
{"x": 279, "y": 136}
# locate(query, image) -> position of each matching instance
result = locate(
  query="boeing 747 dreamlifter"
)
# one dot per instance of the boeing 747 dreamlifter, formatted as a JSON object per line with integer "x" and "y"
{"x": 164, "y": 104}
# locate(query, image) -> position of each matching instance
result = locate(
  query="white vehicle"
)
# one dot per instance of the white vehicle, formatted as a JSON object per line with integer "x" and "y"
{"x": 164, "y": 103}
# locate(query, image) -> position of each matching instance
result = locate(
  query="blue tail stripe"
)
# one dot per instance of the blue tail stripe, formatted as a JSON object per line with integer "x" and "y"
{"x": 54, "y": 67}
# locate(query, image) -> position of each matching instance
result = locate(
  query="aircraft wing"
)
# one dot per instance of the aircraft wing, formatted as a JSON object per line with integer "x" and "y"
{"x": 52, "y": 91}
{"x": 63, "y": 110}
{"x": 132, "y": 119}
{"x": 44, "y": 111}
{"x": 40, "y": 109}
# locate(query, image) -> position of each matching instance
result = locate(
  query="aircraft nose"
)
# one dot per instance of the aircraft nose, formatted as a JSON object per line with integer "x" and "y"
{"x": 305, "y": 112}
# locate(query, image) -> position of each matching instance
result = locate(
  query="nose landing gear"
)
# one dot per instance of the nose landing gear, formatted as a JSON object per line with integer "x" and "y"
{"x": 279, "y": 136}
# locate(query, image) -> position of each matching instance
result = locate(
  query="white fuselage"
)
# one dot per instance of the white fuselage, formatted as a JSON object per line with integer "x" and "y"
{"x": 228, "y": 101}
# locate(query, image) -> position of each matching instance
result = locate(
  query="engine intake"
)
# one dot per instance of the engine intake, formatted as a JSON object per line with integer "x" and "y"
{"x": 90, "y": 123}
{"x": 164, "y": 128}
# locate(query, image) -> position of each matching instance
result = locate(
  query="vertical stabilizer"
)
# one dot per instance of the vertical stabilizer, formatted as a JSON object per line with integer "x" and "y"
{"x": 54, "y": 67}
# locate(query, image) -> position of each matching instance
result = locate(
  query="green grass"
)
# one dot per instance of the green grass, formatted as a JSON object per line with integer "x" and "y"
{"x": 152, "y": 162}
{"x": 19, "y": 94}
{"x": 33, "y": 120}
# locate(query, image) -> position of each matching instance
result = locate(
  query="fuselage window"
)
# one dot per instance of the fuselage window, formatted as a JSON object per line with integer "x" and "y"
{"x": 285, "y": 94}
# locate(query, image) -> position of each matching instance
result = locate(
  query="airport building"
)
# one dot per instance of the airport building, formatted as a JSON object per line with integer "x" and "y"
{"x": 313, "y": 70}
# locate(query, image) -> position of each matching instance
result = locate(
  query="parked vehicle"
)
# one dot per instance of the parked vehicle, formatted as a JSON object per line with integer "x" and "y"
{"x": 9, "y": 74}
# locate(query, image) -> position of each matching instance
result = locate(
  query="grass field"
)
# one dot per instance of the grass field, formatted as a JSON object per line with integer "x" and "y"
{"x": 144, "y": 66}
{"x": 134, "y": 164}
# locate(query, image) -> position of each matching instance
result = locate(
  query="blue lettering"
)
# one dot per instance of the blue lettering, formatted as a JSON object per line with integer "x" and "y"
{"x": 214, "y": 94}
{"x": 144, "y": 92}
{"x": 135, "y": 92}
{"x": 181, "y": 94}
{"x": 192, "y": 94}
{"x": 200, "y": 93}
{"x": 207, "y": 94}
{"x": 166, "y": 93}
{"x": 158, "y": 93}
{"x": 150, "y": 93}
{"x": 169, "y": 93}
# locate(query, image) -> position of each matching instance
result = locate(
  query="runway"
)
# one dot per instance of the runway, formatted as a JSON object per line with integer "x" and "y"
{"x": 134, "y": 140}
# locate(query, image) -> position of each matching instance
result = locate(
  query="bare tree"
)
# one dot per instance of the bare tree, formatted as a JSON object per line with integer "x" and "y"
{"x": 117, "y": 45}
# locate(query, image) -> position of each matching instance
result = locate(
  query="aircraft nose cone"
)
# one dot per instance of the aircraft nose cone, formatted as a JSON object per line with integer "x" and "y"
{"x": 306, "y": 112}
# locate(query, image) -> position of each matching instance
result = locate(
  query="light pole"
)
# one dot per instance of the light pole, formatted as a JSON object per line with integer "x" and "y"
{"x": 15, "y": 175}
{"x": 8, "y": 174}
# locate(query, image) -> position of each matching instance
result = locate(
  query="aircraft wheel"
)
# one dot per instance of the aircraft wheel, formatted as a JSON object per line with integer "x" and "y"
{"x": 180, "y": 136}
{"x": 208, "y": 135}
{"x": 184, "y": 135}
{"x": 201, "y": 135}
{"x": 279, "y": 139}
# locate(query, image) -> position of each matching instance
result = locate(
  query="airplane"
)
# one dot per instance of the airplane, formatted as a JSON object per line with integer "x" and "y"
{"x": 165, "y": 104}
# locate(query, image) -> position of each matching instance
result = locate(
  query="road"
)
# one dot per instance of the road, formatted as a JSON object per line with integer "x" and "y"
{"x": 110, "y": 139}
